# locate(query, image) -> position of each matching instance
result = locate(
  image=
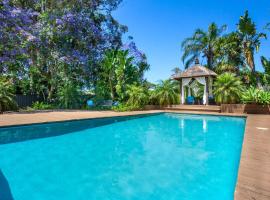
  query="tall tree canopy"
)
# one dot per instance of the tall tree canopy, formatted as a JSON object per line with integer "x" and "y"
{"x": 229, "y": 55}
{"x": 202, "y": 43}
{"x": 250, "y": 39}
{"x": 47, "y": 44}
{"x": 120, "y": 68}
{"x": 15, "y": 35}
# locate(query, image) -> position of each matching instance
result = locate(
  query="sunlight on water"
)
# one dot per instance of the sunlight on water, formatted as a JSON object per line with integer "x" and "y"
{"x": 165, "y": 156}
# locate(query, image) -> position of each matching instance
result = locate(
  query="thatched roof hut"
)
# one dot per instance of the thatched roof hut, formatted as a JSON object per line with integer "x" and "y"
{"x": 195, "y": 71}
{"x": 201, "y": 74}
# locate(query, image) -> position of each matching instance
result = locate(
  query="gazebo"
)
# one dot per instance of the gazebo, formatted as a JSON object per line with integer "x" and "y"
{"x": 199, "y": 73}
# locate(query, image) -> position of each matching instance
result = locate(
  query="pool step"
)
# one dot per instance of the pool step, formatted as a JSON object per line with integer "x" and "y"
{"x": 198, "y": 108}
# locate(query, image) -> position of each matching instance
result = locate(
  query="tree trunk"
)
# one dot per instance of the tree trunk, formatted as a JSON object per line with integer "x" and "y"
{"x": 210, "y": 59}
{"x": 50, "y": 93}
{"x": 111, "y": 88}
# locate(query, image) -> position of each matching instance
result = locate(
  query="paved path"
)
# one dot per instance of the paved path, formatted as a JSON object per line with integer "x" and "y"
{"x": 254, "y": 172}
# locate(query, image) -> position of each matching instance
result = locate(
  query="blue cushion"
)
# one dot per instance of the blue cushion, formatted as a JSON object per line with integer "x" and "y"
{"x": 90, "y": 103}
{"x": 190, "y": 100}
{"x": 116, "y": 103}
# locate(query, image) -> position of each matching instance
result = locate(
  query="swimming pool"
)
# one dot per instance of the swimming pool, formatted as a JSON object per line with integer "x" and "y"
{"x": 151, "y": 157}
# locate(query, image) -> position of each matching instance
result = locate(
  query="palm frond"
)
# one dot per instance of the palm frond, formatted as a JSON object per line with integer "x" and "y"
{"x": 191, "y": 60}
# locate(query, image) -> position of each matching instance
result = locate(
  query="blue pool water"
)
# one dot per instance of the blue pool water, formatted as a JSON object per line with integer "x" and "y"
{"x": 156, "y": 157}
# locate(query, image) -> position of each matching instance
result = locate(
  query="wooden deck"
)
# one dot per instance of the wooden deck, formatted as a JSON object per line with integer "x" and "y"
{"x": 254, "y": 172}
{"x": 199, "y": 108}
{"x": 14, "y": 119}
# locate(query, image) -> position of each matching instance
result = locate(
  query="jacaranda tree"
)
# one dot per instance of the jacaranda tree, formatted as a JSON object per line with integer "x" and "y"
{"x": 16, "y": 32}
{"x": 47, "y": 43}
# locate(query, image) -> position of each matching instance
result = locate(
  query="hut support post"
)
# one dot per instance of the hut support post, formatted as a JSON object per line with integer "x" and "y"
{"x": 181, "y": 92}
{"x": 207, "y": 90}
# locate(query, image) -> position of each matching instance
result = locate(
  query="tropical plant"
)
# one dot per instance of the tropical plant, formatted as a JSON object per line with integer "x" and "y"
{"x": 125, "y": 107}
{"x": 119, "y": 69}
{"x": 107, "y": 76}
{"x": 248, "y": 78}
{"x": 250, "y": 39}
{"x": 256, "y": 96}
{"x": 166, "y": 93}
{"x": 41, "y": 106}
{"x": 266, "y": 74}
{"x": 126, "y": 72}
{"x": 6, "y": 95}
{"x": 226, "y": 67}
{"x": 251, "y": 95}
{"x": 264, "y": 98}
{"x": 266, "y": 64}
{"x": 202, "y": 43}
{"x": 228, "y": 88}
{"x": 47, "y": 42}
{"x": 69, "y": 96}
{"x": 229, "y": 56}
{"x": 137, "y": 95}
{"x": 198, "y": 94}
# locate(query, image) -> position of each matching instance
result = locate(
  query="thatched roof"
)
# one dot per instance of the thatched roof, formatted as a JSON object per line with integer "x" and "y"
{"x": 195, "y": 71}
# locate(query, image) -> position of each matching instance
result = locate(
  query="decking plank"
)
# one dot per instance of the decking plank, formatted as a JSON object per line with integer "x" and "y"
{"x": 254, "y": 171}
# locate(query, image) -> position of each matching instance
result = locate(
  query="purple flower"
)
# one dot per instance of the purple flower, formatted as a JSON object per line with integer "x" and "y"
{"x": 59, "y": 22}
{"x": 134, "y": 52}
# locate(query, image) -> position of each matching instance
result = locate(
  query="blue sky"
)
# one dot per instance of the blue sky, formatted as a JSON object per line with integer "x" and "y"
{"x": 159, "y": 26}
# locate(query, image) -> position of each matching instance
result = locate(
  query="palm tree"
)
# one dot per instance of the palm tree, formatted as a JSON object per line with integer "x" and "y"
{"x": 266, "y": 64}
{"x": 69, "y": 96}
{"x": 137, "y": 95}
{"x": 228, "y": 88}
{"x": 202, "y": 43}
{"x": 166, "y": 93}
{"x": 266, "y": 74}
{"x": 250, "y": 39}
{"x": 229, "y": 53}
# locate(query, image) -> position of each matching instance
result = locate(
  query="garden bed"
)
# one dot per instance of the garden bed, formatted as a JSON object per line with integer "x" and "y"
{"x": 245, "y": 108}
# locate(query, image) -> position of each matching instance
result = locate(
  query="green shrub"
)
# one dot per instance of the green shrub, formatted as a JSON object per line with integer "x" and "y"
{"x": 165, "y": 93}
{"x": 256, "y": 96}
{"x": 125, "y": 108}
{"x": 137, "y": 96}
{"x": 228, "y": 88}
{"x": 42, "y": 106}
{"x": 264, "y": 98}
{"x": 69, "y": 96}
{"x": 250, "y": 96}
{"x": 7, "y": 101}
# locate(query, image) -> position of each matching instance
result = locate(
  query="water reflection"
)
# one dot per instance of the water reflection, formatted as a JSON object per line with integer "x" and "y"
{"x": 153, "y": 172}
{"x": 178, "y": 157}
{"x": 23, "y": 133}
